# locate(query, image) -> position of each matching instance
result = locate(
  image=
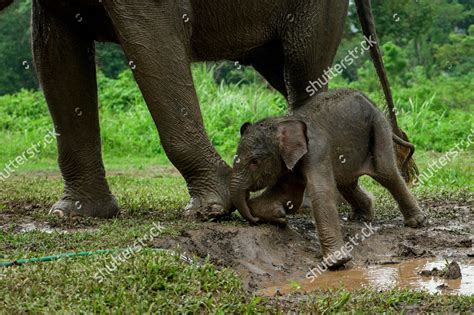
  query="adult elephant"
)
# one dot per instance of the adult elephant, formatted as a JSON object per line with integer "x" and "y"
{"x": 290, "y": 42}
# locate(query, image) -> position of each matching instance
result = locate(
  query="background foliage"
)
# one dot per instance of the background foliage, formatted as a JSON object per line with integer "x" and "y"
{"x": 436, "y": 36}
{"x": 428, "y": 51}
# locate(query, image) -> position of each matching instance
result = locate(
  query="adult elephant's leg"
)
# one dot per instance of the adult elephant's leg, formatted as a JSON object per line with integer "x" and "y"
{"x": 154, "y": 38}
{"x": 65, "y": 64}
{"x": 310, "y": 46}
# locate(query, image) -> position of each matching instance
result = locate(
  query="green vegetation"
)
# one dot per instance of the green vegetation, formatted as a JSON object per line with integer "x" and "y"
{"x": 434, "y": 36}
{"x": 152, "y": 281}
{"x": 428, "y": 53}
{"x": 389, "y": 302}
{"x": 126, "y": 123}
{"x": 149, "y": 282}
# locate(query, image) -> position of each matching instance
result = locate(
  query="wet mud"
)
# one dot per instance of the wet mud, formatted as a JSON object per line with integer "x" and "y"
{"x": 405, "y": 274}
{"x": 277, "y": 261}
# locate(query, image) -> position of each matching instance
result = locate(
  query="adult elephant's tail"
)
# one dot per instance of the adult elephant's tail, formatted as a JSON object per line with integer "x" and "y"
{"x": 364, "y": 10}
{"x": 5, "y": 3}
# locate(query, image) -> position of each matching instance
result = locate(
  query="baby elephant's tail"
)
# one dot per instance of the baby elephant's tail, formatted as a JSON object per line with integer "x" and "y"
{"x": 405, "y": 159}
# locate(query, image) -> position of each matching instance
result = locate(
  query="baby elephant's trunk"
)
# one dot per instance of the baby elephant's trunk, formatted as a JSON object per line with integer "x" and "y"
{"x": 239, "y": 199}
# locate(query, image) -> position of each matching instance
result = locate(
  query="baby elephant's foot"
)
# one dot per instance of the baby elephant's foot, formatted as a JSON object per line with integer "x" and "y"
{"x": 415, "y": 221}
{"x": 362, "y": 215}
{"x": 336, "y": 259}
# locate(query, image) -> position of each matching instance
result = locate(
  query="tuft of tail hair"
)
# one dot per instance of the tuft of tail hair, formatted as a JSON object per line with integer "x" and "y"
{"x": 404, "y": 151}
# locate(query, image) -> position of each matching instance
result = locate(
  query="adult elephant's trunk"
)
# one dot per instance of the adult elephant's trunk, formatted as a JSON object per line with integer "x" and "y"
{"x": 5, "y": 3}
{"x": 239, "y": 199}
{"x": 364, "y": 10}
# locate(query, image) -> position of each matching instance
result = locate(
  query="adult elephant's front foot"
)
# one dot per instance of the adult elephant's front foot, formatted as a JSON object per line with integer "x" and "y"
{"x": 71, "y": 207}
{"x": 210, "y": 199}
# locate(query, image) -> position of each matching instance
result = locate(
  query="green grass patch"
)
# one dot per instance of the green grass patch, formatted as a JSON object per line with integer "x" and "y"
{"x": 126, "y": 123}
{"x": 147, "y": 283}
{"x": 149, "y": 192}
{"x": 396, "y": 301}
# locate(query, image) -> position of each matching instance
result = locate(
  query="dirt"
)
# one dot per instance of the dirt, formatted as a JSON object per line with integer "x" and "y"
{"x": 453, "y": 271}
{"x": 22, "y": 217}
{"x": 274, "y": 261}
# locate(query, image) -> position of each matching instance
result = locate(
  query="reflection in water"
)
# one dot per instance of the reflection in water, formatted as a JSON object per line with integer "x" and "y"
{"x": 403, "y": 275}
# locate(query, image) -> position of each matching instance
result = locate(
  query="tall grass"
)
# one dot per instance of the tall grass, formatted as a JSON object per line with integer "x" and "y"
{"x": 128, "y": 130}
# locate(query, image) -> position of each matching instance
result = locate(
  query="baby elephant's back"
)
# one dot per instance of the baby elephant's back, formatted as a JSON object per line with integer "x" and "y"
{"x": 347, "y": 118}
{"x": 341, "y": 109}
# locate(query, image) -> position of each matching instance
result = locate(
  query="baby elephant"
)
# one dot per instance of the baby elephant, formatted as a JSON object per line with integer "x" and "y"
{"x": 324, "y": 147}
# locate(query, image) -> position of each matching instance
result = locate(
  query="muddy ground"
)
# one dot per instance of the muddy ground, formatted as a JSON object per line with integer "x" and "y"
{"x": 270, "y": 259}
{"x": 274, "y": 261}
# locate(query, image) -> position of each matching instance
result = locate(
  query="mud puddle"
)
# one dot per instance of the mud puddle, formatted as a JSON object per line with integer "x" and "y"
{"x": 405, "y": 275}
{"x": 269, "y": 258}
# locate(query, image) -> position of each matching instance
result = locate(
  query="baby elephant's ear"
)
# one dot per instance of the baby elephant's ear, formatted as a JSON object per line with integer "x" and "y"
{"x": 293, "y": 141}
{"x": 244, "y": 128}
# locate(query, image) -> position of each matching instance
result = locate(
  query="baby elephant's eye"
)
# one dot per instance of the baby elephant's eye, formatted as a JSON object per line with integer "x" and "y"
{"x": 254, "y": 162}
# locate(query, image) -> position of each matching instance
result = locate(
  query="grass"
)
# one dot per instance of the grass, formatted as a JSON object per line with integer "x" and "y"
{"x": 161, "y": 282}
{"x": 126, "y": 122}
{"x": 149, "y": 191}
{"x": 147, "y": 283}
{"x": 367, "y": 301}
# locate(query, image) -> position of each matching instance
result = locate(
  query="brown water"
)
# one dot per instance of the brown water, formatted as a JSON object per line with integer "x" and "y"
{"x": 384, "y": 277}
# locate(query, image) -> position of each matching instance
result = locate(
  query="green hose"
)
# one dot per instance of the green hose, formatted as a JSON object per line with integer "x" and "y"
{"x": 20, "y": 262}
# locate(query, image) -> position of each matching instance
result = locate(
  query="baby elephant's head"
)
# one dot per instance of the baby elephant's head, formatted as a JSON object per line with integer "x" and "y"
{"x": 267, "y": 150}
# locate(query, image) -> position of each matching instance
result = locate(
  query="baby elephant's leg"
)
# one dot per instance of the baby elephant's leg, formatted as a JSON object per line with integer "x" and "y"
{"x": 286, "y": 196}
{"x": 268, "y": 209}
{"x": 360, "y": 201}
{"x": 307, "y": 207}
{"x": 413, "y": 217}
{"x": 322, "y": 190}
{"x": 388, "y": 175}
{"x": 306, "y": 204}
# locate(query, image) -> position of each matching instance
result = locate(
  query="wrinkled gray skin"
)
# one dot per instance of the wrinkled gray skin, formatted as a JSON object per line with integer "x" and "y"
{"x": 324, "y": 147}
{"x": 290, "y": 42}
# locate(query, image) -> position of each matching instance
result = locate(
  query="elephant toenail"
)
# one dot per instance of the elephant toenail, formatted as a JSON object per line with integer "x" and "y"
{"x": 57, "y": 212}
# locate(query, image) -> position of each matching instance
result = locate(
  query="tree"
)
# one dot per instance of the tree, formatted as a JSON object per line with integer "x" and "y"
{"x": 110, "y": 59}
{"x": 16, "y": 65}
{"x": 457, "y": 56}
